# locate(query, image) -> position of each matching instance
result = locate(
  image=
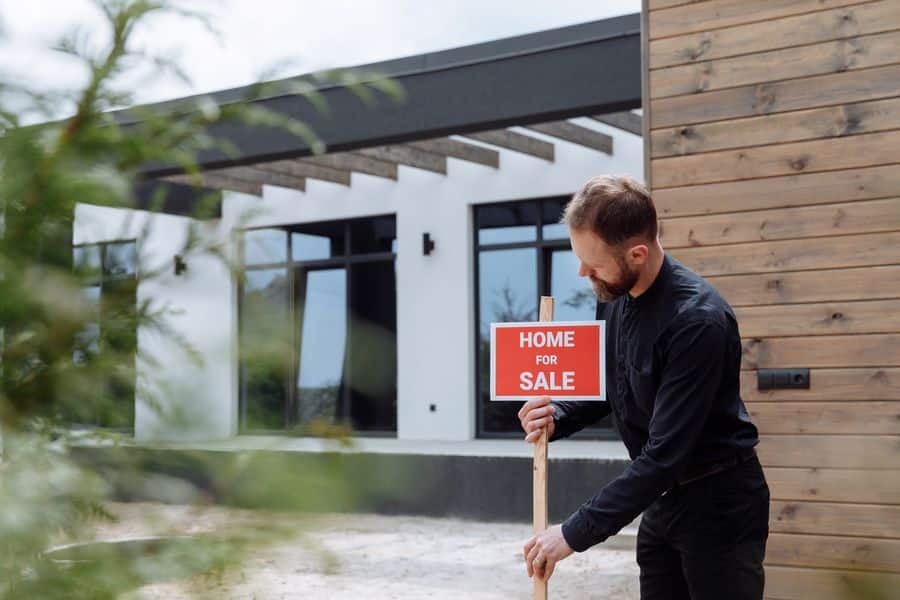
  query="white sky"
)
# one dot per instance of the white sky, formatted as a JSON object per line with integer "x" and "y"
{"x": 303, "y": 35}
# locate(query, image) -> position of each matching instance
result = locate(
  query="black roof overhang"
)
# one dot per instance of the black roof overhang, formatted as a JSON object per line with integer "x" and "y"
{"x": 582, "y": 69}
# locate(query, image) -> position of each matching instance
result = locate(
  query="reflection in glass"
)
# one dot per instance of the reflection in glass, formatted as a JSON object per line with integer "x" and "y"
{"x": 265, "y": 347}
{"x": 262, "y": 246}
{"x": 121, "y": 259}
{"x": 317, "y": 241}
{"x": 310, "y": 247}
{"x": 505, "y": 223}
{"x": 87, "y": 341}
{"x": 555, "y": 231}
{"x": 118, "y": 326}
{"x": 551, "y": 211}
{"x": 507, "y": 284}
{"x": 322, "y": 316}
{"x": 575, "y": 300}
{"x": 86, "y": 260}
{"x": 373, "y": 351}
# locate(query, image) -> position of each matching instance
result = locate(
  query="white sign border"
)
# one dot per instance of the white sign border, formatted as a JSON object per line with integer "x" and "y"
{"x": 602, "y": 371}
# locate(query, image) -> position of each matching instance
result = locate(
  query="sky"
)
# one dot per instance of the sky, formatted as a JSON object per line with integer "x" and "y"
{"x": 275, "y": 37}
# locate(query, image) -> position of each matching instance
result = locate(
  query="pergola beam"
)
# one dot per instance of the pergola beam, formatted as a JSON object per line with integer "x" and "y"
{"x": 626, "y": 121}
{"x": 218, "y": 182}
{"x": 263, "y": 177}
{"x": 515, "y": 141}
{"x": 411, "y": 157}
{"x": 356, "y": 163}
{"x": 575, "y": 134}
{"x": 296, "y": 168}
{"x": 461, "y": 150}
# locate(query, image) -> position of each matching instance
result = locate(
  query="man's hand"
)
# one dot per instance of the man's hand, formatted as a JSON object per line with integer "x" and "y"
{"x": 544, "y": 550}
{"x": 534, "y": 416}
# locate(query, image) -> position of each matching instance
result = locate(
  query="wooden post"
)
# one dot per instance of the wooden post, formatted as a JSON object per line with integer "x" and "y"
{"x": 540, "y": 470}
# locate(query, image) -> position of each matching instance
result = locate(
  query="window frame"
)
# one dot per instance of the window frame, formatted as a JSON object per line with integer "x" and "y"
{"x": 545, "y": 249}
{"x": 344, "y": 260}
{"x": 100, "y": 278}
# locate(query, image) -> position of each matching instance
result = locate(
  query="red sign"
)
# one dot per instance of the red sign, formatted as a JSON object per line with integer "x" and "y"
{"x": 559, "y": 359}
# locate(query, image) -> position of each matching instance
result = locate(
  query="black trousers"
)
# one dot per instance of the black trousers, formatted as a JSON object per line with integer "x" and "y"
{"x": 706, "y": 540}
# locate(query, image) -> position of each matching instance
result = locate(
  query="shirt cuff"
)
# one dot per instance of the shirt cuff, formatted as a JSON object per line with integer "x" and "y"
{"x": 558, "y": 414}
{"x": 577, "y": 533}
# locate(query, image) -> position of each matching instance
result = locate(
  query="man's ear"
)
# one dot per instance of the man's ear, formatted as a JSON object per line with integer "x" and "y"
{"x": 638, "y": 254}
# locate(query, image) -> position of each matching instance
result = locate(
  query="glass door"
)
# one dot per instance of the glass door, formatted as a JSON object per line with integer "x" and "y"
{"x": 574, "y": 299}
{"x": 321, "y": 326}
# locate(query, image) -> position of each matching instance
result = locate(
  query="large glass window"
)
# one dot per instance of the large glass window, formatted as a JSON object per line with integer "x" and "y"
{"x": 108, "y": 272}
{"x": 523, "y": 253}
{"x": 318, "y": 329}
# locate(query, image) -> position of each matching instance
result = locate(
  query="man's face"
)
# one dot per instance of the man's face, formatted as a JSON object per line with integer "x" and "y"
{"x": 605, "y": 266}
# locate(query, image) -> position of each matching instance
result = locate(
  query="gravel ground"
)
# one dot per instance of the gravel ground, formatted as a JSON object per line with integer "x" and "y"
{"x": 378, "y": 556}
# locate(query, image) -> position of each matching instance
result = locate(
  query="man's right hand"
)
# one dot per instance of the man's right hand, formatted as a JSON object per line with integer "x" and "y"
{"x": 536, "y": 415}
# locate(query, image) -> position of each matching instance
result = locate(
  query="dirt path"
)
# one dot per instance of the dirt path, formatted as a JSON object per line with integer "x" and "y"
{"x": 380, "y": 557}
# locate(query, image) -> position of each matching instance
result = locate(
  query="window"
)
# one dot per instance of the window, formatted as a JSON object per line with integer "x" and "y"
{"x": 318, "y": 323}
{"x": 522, "y": 253}
{"x": 108, "y": 272}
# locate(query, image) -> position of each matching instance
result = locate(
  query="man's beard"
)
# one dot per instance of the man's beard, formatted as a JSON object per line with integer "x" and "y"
{"x": 610, "y": 290}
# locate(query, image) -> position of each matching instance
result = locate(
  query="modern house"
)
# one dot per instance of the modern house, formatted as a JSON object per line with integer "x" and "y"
{"x": 769, "y": 135}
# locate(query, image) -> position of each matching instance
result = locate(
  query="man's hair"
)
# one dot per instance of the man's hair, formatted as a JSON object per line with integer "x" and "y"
{"x": 615, "y": 207}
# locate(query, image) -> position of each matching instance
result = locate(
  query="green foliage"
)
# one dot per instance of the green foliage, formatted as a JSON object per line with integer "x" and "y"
{"x": 59, "y": 365}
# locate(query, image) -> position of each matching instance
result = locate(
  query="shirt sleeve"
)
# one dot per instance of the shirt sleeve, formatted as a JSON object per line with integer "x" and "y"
{"x": 570, "y": 416}
{"x": 691, "y": 373}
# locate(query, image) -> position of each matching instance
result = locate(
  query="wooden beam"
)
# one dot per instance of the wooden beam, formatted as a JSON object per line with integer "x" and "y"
{"x": 575, "y": 134}
{"x": 832, "y": 485}
{"x": 411, "y": 157}
{"x": 873, "y": 452}
{"x": 756, "y": 37}
{"x": 823, "y": 351}
{"x": 626, "y": 121}
{"x": 460, "y": 150}
{"x": 515, "y": 141}
{"x": 838, "y": 518}
{"x": 708, "y": 16}
{"x": 295, "y": 168}
{"x": 833, "y": 552}
{"x": 354, "y": 162}
{"x": 797, "y": 583}
{"x": 218, "y": 182}
{"x": 829, "y": 385}
{"x": 777, "y": 97}
{"x": 777, "y": 65}
{"x": 855, "y": 151}
{"x": 262, "y": 177}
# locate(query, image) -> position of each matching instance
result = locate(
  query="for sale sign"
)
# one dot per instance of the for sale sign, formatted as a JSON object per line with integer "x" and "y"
{"x": 564, "y": 360}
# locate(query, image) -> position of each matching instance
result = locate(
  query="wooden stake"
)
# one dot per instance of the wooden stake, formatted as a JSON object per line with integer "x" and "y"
{"x": 540, "y": 470}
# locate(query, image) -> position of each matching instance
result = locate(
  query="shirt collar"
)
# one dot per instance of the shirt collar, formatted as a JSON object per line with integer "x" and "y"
{"x": 655, "y": 288}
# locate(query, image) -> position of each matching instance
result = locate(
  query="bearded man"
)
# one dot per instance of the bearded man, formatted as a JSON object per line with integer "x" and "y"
{"x": 673, "y": 367}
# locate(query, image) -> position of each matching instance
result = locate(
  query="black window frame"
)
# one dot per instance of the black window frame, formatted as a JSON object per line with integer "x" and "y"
{"x": 344, "y": 260}
{"x": 101, "y": 277}
{"x": 545, "y": 249}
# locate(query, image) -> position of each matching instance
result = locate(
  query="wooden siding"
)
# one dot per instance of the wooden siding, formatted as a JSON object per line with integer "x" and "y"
{"x": 772, "y": 138}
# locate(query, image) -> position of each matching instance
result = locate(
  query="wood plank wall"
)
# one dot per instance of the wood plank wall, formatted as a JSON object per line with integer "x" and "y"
{"x": 772, "y": 132}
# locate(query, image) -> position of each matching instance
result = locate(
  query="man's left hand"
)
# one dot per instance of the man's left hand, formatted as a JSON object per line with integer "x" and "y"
{"x": 544, "y": 550}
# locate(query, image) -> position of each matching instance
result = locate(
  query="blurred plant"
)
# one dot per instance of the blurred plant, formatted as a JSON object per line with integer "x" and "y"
{"x": 62, "y": 363}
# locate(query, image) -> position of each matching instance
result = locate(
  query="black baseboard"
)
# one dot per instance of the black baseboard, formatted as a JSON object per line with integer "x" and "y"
{"x": 468, "y": 487}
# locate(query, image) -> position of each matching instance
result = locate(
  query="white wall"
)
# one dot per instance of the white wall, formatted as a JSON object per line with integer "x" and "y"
{"x": 176, "y": 399}
{"x": 435, "y": 294}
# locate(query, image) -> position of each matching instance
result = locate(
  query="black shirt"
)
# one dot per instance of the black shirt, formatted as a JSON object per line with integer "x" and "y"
{"x": 673, "y": 375}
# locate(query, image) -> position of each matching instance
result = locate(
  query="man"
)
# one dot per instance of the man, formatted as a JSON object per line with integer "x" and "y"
{"x": 673, "y": 373}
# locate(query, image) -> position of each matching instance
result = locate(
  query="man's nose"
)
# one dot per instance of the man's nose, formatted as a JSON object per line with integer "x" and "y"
{"x": 583, "y": 271}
